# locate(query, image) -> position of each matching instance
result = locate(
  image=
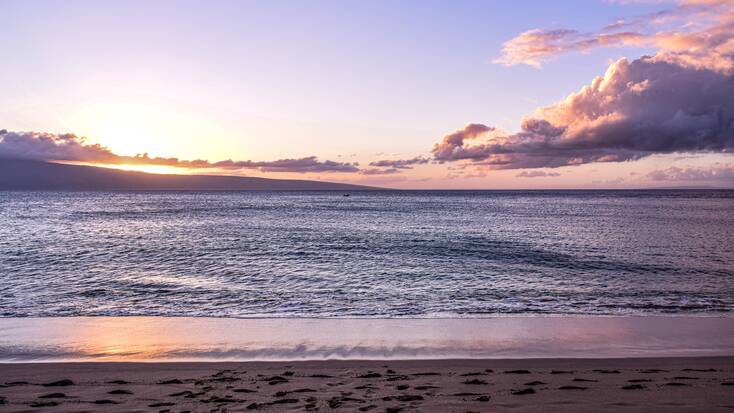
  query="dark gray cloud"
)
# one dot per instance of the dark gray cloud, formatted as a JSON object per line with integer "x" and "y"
{"x": 69, "y": 147}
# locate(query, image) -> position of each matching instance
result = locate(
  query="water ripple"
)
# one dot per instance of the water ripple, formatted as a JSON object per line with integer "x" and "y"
{"x": 376, "y": 254}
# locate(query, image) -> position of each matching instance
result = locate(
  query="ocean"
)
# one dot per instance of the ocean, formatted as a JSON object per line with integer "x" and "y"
{"x": 381, "y": 254}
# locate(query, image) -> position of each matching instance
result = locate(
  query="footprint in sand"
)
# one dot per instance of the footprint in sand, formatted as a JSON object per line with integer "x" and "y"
{"x": 572, "y": 388}
{"x": 475, "y": 382}
{"x": 43, "y": 404}
{"x": 59, "y": 383}
{"x": 162, "y": 404}
{"x": 398, "y": 378}
{"x": 275, "y": 380}
{"x": 244, "y": 391}
{"x": 52, "y": 396}
{"x": 104, "y": 401}
{"x": 172, "y": 381}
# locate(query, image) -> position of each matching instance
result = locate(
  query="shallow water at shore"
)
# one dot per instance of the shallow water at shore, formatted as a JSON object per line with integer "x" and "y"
{"x": 208, "y": 339}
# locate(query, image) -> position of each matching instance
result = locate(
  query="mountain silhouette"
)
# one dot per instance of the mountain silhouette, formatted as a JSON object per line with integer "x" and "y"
{"x": 19, "y": 174}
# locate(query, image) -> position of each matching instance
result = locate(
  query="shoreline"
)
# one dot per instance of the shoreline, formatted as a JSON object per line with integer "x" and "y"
{"x": 223, "y": 339}
{"x": 536, "y": 361}
{"x": 451, "y": 385}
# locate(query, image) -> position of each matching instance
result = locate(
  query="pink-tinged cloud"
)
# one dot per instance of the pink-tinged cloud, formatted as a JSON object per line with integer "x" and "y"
{"x": 536, "y": 174}
{"x": 718, "y": 173}
{"x": 697, "y": 32}
{"x": 680, "y": 100}
{"x": 378, "y": 171}
{"x": 400, "y": 163}
{"x": 640, "y": 108}
{"x": 69, "y": 147}
{"x": 534, "y": 47}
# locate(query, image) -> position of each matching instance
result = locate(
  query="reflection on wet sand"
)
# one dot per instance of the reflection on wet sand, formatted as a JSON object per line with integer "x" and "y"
{"x": 191, "y": 339}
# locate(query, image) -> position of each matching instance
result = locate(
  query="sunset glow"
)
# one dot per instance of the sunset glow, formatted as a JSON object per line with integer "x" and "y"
{"x": 367, "y": 205}
{"x": 604, "y": 94}
{"x": 154, "y": 169}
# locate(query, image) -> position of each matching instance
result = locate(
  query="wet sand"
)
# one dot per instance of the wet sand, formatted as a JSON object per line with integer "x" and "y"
{"x": 703, "y": 384}
{"x": 149, "y": 339}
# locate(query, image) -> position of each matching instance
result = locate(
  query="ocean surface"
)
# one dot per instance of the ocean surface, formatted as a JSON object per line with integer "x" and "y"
{"x": 372, "y": 254}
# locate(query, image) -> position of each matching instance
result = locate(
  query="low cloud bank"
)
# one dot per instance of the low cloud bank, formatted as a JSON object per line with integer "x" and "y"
{"x": 717, "y": 173}
{"x": 536, "y": 174}
{"x": 69, "y": 147}
{"x": 401, "y": 163}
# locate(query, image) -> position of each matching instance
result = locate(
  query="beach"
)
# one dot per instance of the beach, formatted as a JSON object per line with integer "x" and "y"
{"x": 699, "y": 384}
{"x": 182, "y": 364}
{"x": 367, "y": 206}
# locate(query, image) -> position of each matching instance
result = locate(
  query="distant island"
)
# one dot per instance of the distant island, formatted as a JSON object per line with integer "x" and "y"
{"x": 20, "y": 174}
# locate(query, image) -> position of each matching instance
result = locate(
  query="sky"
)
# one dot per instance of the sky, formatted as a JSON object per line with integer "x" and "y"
{"x": 402, "y": 94}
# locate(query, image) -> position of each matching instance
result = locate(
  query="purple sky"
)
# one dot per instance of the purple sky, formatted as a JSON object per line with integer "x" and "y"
{"x": 413, "y": 94}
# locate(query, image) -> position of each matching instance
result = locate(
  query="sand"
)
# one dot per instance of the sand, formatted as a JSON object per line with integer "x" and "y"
{"x": 567, "y": 385}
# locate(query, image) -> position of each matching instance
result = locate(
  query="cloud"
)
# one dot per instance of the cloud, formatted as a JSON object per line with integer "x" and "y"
{"x": 670, "y": 102}
{"x": 536, "y": 174}
{"x": 638, "y": 1}
{"x": 401, "y": 163}
{"x": 615, "y": 181}
{"x": 69, "y": 147}
{"x": 721, "y": 173}
{"x": 376, "y": 171}
{"x": 694, "y": 31}
{"x": 536, "y": 46}
{"x": 300, "y": 165}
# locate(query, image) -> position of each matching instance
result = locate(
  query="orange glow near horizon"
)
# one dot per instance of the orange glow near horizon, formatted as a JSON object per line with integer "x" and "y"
{"x": 153, "y": 169}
